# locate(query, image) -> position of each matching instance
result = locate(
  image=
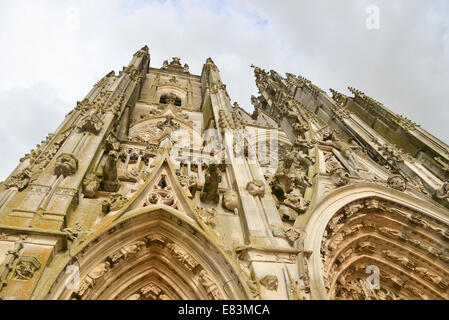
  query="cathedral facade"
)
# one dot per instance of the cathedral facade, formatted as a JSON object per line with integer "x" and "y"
{"x": 157, "y": 187}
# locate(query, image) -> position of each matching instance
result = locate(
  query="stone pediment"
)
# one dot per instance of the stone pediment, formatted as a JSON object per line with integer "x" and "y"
{"x": 162, "y": 189}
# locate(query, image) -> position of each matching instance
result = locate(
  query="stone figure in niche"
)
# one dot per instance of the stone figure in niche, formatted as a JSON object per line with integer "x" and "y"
{"x": 210, "y": 190}
{"x": 230, "y": 200}
{"x": 66, "y": 165}
{"x": 110, "y": 177}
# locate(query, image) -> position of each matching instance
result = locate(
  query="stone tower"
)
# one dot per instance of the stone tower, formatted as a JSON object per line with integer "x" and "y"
{"x": 155, "y": 186}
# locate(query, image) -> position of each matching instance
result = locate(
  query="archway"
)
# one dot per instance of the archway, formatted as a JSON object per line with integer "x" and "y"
{"x": 153, "y": 253}
{"x": 378, "y": 233}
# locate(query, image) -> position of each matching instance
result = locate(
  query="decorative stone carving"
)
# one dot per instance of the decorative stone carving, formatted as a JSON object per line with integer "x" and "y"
{"x": 290, "y": 175}
{"x": 91, "y": 184}
{"x": 161, "y": 197}
{"x": 212, "y": 179}
{"x": 110, "y": 177}
{"x": 207, "y": 215}
{"x": 66, "y": 165}
{"x": 292, "y": 234}
{"x": 230, "y": 200}
{"x": 340, "y": 177}
{"x": 256, "y": 188}
{"x": 117, "y": 201}
{"x": 126, "y": 251}
{"x": 153, "y": 292}
{"x": 19, "y": 181}
{"x": 210, "y": 286}
{"x": 112, "y": 143}
{"x": 11, "y": 256}
{"x": 89, "y": 281}
{"x": 397, "y": 182}
{"x": 296, "y": 202}
{"x": 189, "y": 184}
{"x": 432, "y": 277}
{"x": 156, "y": 238}
{"x": 26, "y": 268}
{"x": 403, "y": 261}
{"x": 182, "y": 256}
{"x": 346, "y": 148}
{"x": 254, "y": 288}
{"x": 270, "y": 282}
{"x": 90, "y": 123}
{"x": 442, "y": 194}
{"x": 75, "y": 233}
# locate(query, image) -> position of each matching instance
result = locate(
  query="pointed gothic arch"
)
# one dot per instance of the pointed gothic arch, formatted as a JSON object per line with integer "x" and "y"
{"x": 152, "y": 253}
{"x": 406, "y": 238}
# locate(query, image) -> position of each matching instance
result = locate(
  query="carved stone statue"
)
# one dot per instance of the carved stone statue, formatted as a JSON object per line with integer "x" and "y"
{"x": 212, "y": 179}
{"x": 20, "y": 180}
{"x": 75, "y": 233}
{"x": 26, "y": 268}
{"x": 270, "y": 282}
{"x": 90, "y": 123}
{"x": 66, "y": 165}
{"x": 442, "y": 194}
{"x": 110, "y": 177}
{"x": 256, "y": 188}
{"x": 340, "y": 177}
{"x": 210, "y": 286}
{"x": 397, "y": 182}
{"x": 347, "y": 149}
{"x": 182, "y": 256}
{"x": 91, "y": 184}
{"x": 230, "y": 200}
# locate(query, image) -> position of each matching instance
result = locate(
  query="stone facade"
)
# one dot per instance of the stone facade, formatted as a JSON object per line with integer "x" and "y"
{"x": 157, "y": 187}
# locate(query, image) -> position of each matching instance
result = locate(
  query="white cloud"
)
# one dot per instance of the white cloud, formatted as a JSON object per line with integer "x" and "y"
{"x": 51, "y": 57}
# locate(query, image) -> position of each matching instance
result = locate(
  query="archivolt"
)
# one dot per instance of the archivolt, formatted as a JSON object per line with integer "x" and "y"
{"x": 152, "y": 254}
{"x": 405, "y": 238}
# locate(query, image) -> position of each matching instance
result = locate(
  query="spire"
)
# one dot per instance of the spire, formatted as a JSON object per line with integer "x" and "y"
{"x": 143, "y": 51}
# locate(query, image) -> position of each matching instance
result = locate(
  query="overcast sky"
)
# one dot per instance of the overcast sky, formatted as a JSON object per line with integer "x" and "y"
{"x": 52, "y": 53}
